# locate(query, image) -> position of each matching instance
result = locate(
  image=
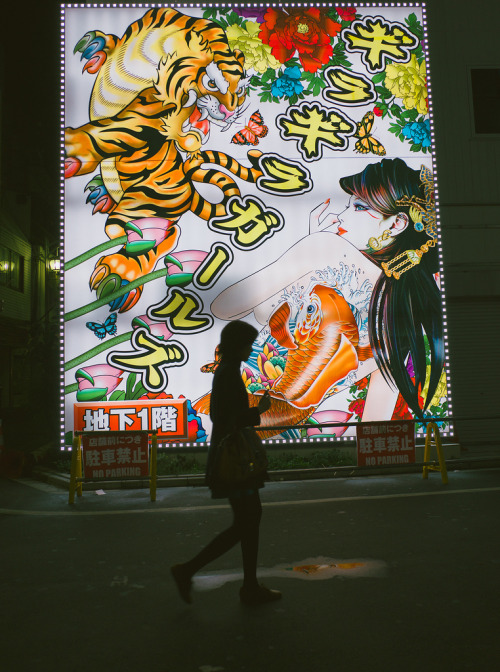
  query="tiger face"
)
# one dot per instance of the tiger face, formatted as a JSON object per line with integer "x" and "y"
{"x": 213, "y": 94}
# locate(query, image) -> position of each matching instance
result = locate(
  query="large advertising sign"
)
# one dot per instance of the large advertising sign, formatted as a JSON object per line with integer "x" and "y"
{"x": 266, "y": 163}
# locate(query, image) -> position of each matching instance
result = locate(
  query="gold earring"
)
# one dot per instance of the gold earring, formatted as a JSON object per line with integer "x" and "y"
{"x": 375, "y": 244}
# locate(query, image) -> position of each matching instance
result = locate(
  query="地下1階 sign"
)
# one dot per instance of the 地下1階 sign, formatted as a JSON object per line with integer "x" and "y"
{"x": 115, "y": 455}
{"x": 167, "y": 417}
{"x": 381, "y": 443}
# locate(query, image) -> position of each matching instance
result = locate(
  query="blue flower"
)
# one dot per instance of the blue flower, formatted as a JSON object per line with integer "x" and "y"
{"x": 288, "y": 83}
{"x": 419, "y": 132}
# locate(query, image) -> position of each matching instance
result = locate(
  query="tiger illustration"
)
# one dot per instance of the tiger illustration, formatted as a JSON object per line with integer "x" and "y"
{"x": 157, "y": 91}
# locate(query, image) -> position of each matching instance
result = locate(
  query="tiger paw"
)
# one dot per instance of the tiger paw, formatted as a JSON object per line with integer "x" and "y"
{"x": 99, "y": 196}
{"x": 113, "y": 272}
{"x": 117, "y": 270}
{"x": 71, "y": 166}
{"x": 92, "y": 47}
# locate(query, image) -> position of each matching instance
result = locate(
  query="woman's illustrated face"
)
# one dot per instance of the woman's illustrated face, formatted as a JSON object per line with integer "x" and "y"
{"x": 359, "y": 222}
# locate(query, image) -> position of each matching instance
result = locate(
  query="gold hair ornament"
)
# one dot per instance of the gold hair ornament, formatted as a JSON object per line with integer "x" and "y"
{"x": 423, "y": 213}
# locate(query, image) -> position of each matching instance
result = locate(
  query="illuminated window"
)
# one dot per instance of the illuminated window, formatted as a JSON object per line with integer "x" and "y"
{"x": 11, "y": 269}
{"x": 486, "y": 99}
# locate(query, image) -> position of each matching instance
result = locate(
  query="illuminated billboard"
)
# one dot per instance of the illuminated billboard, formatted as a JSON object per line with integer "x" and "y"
{"x": 267, "y": 163}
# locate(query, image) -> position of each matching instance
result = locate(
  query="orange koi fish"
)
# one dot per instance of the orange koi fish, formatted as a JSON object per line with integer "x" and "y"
{"x": 323, "y": 349}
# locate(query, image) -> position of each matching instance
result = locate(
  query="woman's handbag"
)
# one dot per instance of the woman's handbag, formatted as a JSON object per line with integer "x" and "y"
{"x": 241, "y": 457}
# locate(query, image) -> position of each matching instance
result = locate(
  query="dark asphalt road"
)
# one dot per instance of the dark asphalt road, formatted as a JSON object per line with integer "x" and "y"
{"x": 403, "y": 575}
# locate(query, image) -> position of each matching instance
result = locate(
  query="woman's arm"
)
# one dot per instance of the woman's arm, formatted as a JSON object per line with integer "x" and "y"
{"x": 380, "y": 399}
{"x": 263, "y": 288}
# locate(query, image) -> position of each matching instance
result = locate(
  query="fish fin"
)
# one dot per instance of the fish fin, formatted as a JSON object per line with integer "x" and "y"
{"x": 279, "y": 326}
{"x": 202, "y": 405}
{"x": 343, "y": 361}
{"x": 364, "y": 352}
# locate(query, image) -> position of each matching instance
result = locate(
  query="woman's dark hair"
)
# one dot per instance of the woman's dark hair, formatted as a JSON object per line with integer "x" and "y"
{"x": 235, "y": 336}
{"x": 402, "y": 311}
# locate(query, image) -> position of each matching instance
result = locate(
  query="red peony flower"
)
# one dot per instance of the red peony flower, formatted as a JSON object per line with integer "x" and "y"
{"x": 308, "y": 31}
{"x": 401, "y": 410}
{"x": 377, "y": 112}
{"x": 156, "y": 395}
{"x": 361, "y": 384}
{"x": 357, "y": 406}
{"x": 346, "y": 13}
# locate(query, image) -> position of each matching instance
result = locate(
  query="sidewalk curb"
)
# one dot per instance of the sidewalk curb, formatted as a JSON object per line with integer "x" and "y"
{"x": 198, "y": 480}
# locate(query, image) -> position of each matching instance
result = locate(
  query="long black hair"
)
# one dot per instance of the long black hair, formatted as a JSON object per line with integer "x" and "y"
{"x": 402, "y": 311}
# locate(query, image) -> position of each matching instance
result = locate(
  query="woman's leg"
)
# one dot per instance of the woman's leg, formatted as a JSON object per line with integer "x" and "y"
{"x": 222, "y": 543}
{"x": 248, "y": 512}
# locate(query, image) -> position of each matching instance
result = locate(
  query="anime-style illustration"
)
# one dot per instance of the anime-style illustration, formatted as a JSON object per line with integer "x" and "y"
{"x": 366, "y": 142}
{"x": 323, "y": 348}
{"x": 102, "y": 329}
{"x": 390, "y": 221}
{"x": 204, "y": 139}
{"x": 254, "y": 130}
{"x": 157, "y": 91}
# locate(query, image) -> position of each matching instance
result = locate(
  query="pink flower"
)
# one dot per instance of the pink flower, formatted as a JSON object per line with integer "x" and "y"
{"x": 144, "y": 234}
{"x": 97, "y": 381}
{"x": 181, "y": 266}
{"x": 158, "y": 329}
{"x": 329, "y": 416}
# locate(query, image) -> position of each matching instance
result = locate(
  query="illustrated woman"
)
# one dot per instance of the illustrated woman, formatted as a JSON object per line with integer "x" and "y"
{"x": 230, "y": 410}
{"x": 388, "y": 232}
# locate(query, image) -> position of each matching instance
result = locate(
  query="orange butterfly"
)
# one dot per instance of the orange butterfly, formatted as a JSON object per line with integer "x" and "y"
{"x": 211, "y": 366}
{"x": 250, "y": 134}
{"x": 367, "y": 143}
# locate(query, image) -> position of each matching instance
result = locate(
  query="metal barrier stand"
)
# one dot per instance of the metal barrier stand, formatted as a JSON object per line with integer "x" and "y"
{"x": 433, "y": 438}
{"x": 76, "y": 474}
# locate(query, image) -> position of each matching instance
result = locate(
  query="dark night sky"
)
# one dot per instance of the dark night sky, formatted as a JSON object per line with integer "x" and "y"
{"x": 29, "y": 51}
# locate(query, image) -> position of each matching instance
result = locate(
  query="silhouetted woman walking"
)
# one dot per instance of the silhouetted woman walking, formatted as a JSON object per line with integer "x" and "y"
{"x": 229, "y": 411}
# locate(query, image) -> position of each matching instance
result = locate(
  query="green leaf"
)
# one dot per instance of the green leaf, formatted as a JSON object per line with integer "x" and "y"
{"x": 169, "y": 259}
{"x": 233, "y": 18}
{"x": 81, "y": 373}
{"x": 137, "y": 247}
{"x": 130, "y": 385}
{"x": 396, "y": 110}
{"x": 139, "y": 390}
{"x": 179, "y": 279}
{"x": 412, "y": 114}
{"x": 380, "y": 77}
{"x": 92, "y": 394}
{"x": 117, "y": 395}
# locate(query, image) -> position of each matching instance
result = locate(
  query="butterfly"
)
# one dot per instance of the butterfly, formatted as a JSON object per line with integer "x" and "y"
{"x": 250, "y": 134}
{"x": 367, "y": 143}
{"x": 211, "y": 366}
{"x": 102, "y": 329}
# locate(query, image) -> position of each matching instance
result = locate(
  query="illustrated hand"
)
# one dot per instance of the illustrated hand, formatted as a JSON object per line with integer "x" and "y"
{"x": 265, "y": 402}
{"x": 319, "y": 223}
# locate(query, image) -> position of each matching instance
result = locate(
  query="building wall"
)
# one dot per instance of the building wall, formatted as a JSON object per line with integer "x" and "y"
{"x": 14, "y": 304}
{"x": 462, "y": 36}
